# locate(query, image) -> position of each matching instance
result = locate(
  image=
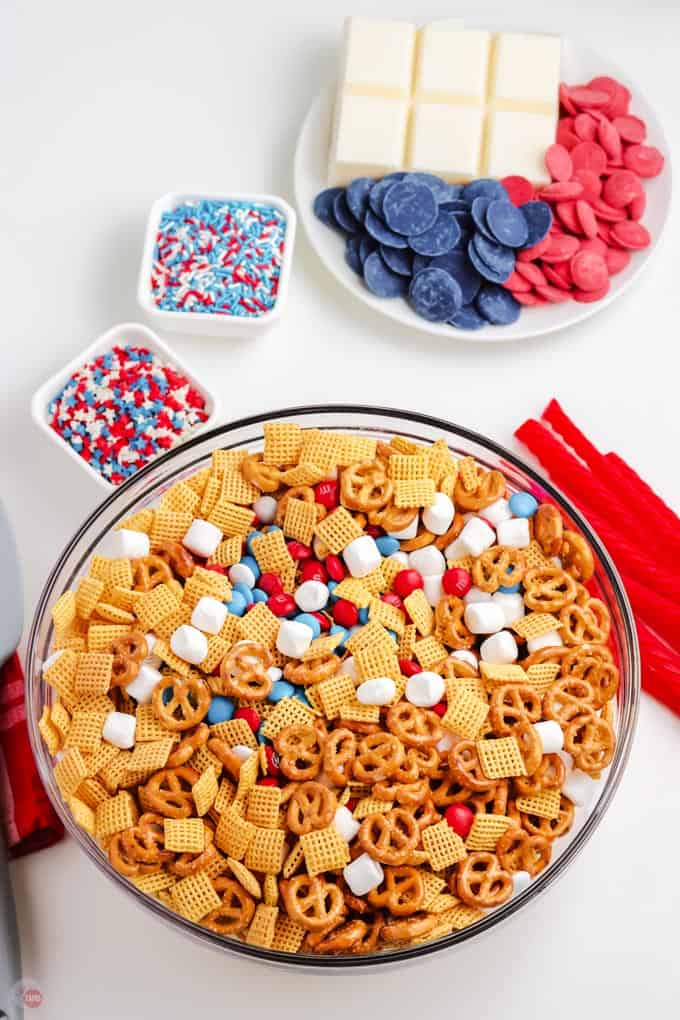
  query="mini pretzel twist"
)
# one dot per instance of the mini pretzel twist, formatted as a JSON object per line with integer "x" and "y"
{"x": 187, "y": 745}
{"x": 401, "y": 893}
{"x": 150, "y": 571}
{"x": 236, "y": 910}
{"x": 415, "y": 727}
{"x": 312, "y": 902}
{"x": 313, "y": 671}
{"x": 180, "y": 702}
{"x": 450, "y": 625}
{"x": 548, "y": 529}
{"x": 311, "y": 806}
{"x": 466, "y": 768}
{"x": 128, "y": 653}
{"x": 548, "y": 589}
{"x": 265, "y": 477}
{"x": 481, "y": 881}
{"x": 590, "y": 740}
{"x": 409, "y": 928}
{"x": 567, "y": 697}
{"x": 512, "y": 703}
{"x": 589, "y": 623}
{"x": 593, "y": 663}
{"x": 498, "y": 566}
{"x": 168, "y": 792}
{"x": 178, "y": 558}
{"x": 299, "y": 749}
{"x": 339, "y": 753}
{"x": 390, "y": 837}
{"x": 549, "y": 775}
{"x": 491, "y": 487}
{"x": 379, "y": 756}
{"x": 393, "y": 518}
{"x": 577, "y": 556}
{"x": 365, "y": 486}
{"x": 244, "y": 671}
{"x": 551, "y": 828}
{"x": 519, "y": 851}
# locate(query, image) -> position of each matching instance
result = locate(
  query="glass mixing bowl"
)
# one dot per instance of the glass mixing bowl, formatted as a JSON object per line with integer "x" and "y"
{"x": 146, "y": 487}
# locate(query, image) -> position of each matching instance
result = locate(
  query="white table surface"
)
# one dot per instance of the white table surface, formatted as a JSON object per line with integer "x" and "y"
{"x": 105, "y": 106}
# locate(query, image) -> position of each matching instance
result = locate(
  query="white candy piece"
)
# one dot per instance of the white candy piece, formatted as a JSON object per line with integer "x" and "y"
{"x": 151, "y": 640}
{"x": 275, "y": 673}
{"x": 550, "y": 640}
{"x": 379, "y": 690}
{"x": 465, "y": 655}
{"x": 265, "y": 509}
{"x": 425, "y": 689}
{"x": 437, "y": 518}
{"x": 311, "y": 596}
{"x": 500, "y": 649}
{"x": 551, "y": 736}
{"x": 456, "y": 550}
{"x": 348, "y": 668}
{"x": 345, "y": 823}
{"x": 189, "y": 643}
{"x": 125, "y": 544}
{"x": 512, "y": 605}
{"x": 410, "y": 531}
{"x": 496, "y": 512}
{"x": 51, "y": 659}
{"x": 119, "y": 729}
{"x": 432, "y": 588}
{"x": 400, "y": 557}
{"x": 294, "y": 638}
{"x": 476, "y": 536}
{"x": 427, "y": 561}
{"x": 514, "y": 533}
{"x": 579, "y": 788}
{"x": 446, "y": 742}
{"x": 521, "y": 880}
{"x": 202, "y": 538}
{"x": 363, "y": 874}
{"x": 242, "y": 752}
{"x": 362, "y": 556}
{"x": 484, "y": 618}
{"x": 142, "y": 687}
{"x": 209, "y": 615}
{"x": 476, "y": 595}
{"x": 241, "y": 573}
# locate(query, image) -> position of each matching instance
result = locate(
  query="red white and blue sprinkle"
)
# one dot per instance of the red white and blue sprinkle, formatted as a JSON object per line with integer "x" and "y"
{"x": 124, "y": 408}
{"x": 219, "y": 257}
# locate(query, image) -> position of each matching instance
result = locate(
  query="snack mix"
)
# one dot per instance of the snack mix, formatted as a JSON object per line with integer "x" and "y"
{"x": 339, "y": 696}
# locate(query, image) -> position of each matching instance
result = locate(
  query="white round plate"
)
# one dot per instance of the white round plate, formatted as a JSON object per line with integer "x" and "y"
{"x": 579, "y": 64}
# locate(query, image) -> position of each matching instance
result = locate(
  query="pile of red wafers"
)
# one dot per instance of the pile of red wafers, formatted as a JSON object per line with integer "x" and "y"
{"x": 597, "y": 196}
{"x": 616, "y": 500}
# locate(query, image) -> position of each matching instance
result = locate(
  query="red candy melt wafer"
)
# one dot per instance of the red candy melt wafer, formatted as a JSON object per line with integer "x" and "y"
{"x": 553, "y": 294}
{"x": 586, "y": 297}
{"x": 588, "y": 98}
{"x": 528, "y": 298}
{"x": 589, "y": 271}
{"x": 592, "y": 185}
{"x": 616, "y": 259}
{"x": 609, "y": 139}
{"x": 619, "y": 96}
{"x": 561, "y": 189}
{"x": 559, "y": 275}
{"x": 636, "y": 209}
{"x": 644, "y": 160}
{"x": 585, "y": 127}
{"x": 530, "y": 272}
{"x": 561, "y": 248}
{"x": 630, "y": 234}
{"x": 586, "y": 218}
{"x": 631, "y": 129}
{"x": 567, "y": 214}
{"x": 607, "y": 212}
{"x": 558, "y": 162}
{"x": 621, "y": 189}
{"x": 589, "y": 156}
{"x": 516, "y": 282}
{"x": 519, "y": 189}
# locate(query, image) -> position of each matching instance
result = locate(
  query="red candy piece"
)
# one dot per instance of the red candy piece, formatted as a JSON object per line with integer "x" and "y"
{"x": 630, "y": 234}
{"x": 456, "y": 581}
{"x": 528, "y": 299}
{"x": 531, "y": 272}
{"x": 268, "y": 781}
{"x": 312, "y": 570}
{"x": 616, "y": 260}
{"x": 407, "y": 581}
{"x": 566, "y": 137}
{"x": 557, "y": 275}
{"x": 621, "y": 189}
{"x": 270, "y": 583}
{"x": 561, "y": 248}
{"x": 373, "y": 530}
{"x": 326, "y": 493}
{"x": 519, "y": 189}
{"x": 460, "y": 818}
{"x": 529, "y": 254}
{"x": 334, "y": 567}
{"x": 595, "y": 244}
{"x": 631, "y": 129}
{"x": 636, "y": 209}
{"x": 562, "y": 189}
{"x": 345, "y": 613}
{"x": 609, "y": 139}
{"x": 589, "y": 270}
{"x": 586, "y": 297}
{"x": 588, "y": 98}
{"x": 567, "y": 214}
{"x": 409, "y": 668}
{"x": 392, "y": 599}
{"x": 585, "y": 127}
{"x": 272, "y": 760}
{"x": 619, "y": 96}
{"x": 281, "y": 604}
{"x": 592, "y": 185}
{"x": 299, "y": 551}
{"x": 216, "y": 568}
{"x": 323, "y": 621}
{"x": 516, "y": 282}
{"x": 558, "y": 162}
{"x": 589, "y": 156}
{"x": 566, "y": 100}
{"x": 607, "y": 212}
{"x": 644, "y": 160}
{"x": 440, "y": 708}
{"x": 250, "y": 716}
{"x": 552, "y": 294}
{"x": 586, "y": 218}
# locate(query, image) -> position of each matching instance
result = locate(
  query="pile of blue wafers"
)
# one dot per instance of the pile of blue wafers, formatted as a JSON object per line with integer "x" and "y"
{"x": 446, "y": 248}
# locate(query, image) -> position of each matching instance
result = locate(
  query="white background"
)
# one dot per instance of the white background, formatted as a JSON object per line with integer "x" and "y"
{"x": 103, "y": 107}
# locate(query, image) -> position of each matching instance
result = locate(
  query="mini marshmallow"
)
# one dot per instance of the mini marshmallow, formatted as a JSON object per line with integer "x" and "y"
{"x": 484, "y": 618}
{"x": 311, "y": 596}
{"x": 514, "y": 533}
{"x": 202, "y": 538}
{"x": 512, "y": 605}
{"x": 142, "y": 687}
{"x": 476, "y": 536}
{"x": 119, "y": 729}
{"x": 500, "y": 649}
{"x": 348, "y": 668}
{"x": 151, "y": 640}
{"x": 496, "y": 512}
{"x": 242, "y": 752}
{"x": 446, "y": 743}
{"x": 125, "y": 544}
{"x": 275, "y": 673}
{"x": 363, "y": 874}
{"x": 579, "y": 788}
{"x": 456, "y": 550}
{"x": 410, "y": 531}
{"x": 345, "y": 823}
{"x": 551, "y": 736}
{"x": 550, "y": 640}
{"x": 465, "y": 655}
{"x": 521, "y": 880}
{"x": 265, "y": 509}
{"x": 432, "y": 588}
{"x": 189, "y": 644}
{"x": 51, "y": 659}
{"x": 425, "y": 689}
{"x": 209, "y": 615}
{"x": 400, "y": 557}
{"x": 240, "y": 573}
{"x": 437, "y": 518}
{"x": 427, "y": 561}
{"x": 294, "y": 638}
{"x": 378, "y": 690}
{"x": 476, "y": 595}
{"x": 362, "y": 556}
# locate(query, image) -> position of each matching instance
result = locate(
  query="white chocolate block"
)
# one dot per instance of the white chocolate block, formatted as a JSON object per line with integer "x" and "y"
{"x": 369, "y": 137}
{"x": 452, "y": 66}
{"x": 446, "y": 140}
{"x": 378, "y": 57}
{"x": 516, "y": 145}
{"x": 526, "y": 72}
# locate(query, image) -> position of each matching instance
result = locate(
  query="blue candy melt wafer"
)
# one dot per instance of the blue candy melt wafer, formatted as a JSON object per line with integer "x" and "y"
{"x": 484, "y": 270}
{"x": 478, "y": 213}
{"x": 435, "y": 295}
{"x": 399, "y": 260}
{"x": 457, "y": 264}
{"x": 352, "y": 257}
{"x": 357, "y": 196}
{"x": 507, "y": 224}
{"x": 539, "y": 221}
{"x": 381, "y": 233}
{"x": 442, "y": 191}
{"x": 497, "y": 305}
{"x": 467, "y": 318}
{"x": 345, "y": 219}
{"x": 367, "y": 245}
{"x": 497, "y": 256}
{"x": 409, "y": 208}
{"x": 323, "y": 206}
{"x": 380, "y": 279}
{"x": 484, "y": 187}
{"x": 380, "y": 189}
{"x": 440, "y": 238}
{"x": 420, "y": 262}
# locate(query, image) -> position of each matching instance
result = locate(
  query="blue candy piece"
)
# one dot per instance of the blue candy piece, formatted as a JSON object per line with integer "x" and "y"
{"x": 363, "y": 616}
{"x": 357, "y": 196}
{"x": 380, "y": 189}
{"x": 237, "y": 606}
{"x": 457, "y": 205}
{"x": 539, "y": 219}
{"x": 442, "y": 191}
{"x": 393, "y": 634}
{"x": 280, "y": 689}
{"x": 342, "y": 213}
{"x": 249, "y": 540}
{"x": 457, "y": 264}
{"x": 409, "y": 208}
{"x": 377, "y": 229}
{"x": 244, "y": 590}
{"x": 480, "y": 265}
{"x": 439, "y": 239}
{"x": 166, "y": 695}
{"x": 310, "y": 621}
{"x": 462, "y": 242}
{"x": 299, "y": 695}
{"x": 497, "y": 256}
{"x": 221, "y": 710}
{"x": 331, "y": 585}
{"x": 467, "y": 318}
{"x": 352, "y": 256}
{"x": 323, "y": 207}
{"x": 399, "y": 260}
{"x": 478, "y": 213}
{"x": 367, "y": 245}
{"x": 523, "y": 504}
{"x": 337, "y": 629}
{"x": 380, "y": 279}
{"x": 497, "y": 305}
{"x": 259, "y": 595}
{"x": 251, "y": 563}
{"x": 420, "y": 262}
{"x": 510, "y": 589}
{"x": 435, "y": 295}
{"x": 507, "y": 224}
{"x": 485, "y": 187}
{"x": 386, "y": 545}
{"x": 259, "y": 736}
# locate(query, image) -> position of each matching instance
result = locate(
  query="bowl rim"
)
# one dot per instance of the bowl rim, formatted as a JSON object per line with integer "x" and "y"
{"x": 502, "y": 914}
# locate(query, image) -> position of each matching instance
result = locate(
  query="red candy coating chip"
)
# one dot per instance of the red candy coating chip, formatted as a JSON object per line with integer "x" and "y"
{"x": 621, "y": 188}
{"x": 456, "y": 581}
{"x": 535, "y": 252}
{"x": 272, "y": 760}
{"x": 561, "y": 248}
{"x": 460, "y": 818}
{"x": 588, "y": 98}
{"x": 565, "y": 99}
{"x": 531, "y": 273}
{"x": 589, "y": 270}
{"x": 567, "y": 214}
{"x": 216, "y": 568}
{"x": 516, "y": 282}
{"x": 592, "y": 185}
{"x": 644, "y": 160}
{"x": 334, "y": 567}
{"x": 558, "y": 162}
{"x": 595, "y": 244}
{"x": 312, "y": 570}
{"x": 587, "y": 297}
{"x": 630, "y": 234}
{"x": 552, "y": 294}
{"x": 619, "y": 96}
{"x": 519, "y": 189}
{"x": 268, "y": 781}
{"x": 607, "y": 212}
{"x": 585, "y": 127}
{"x": 616, "y": 259}
{"x": 407, "y": 581}
{"x": 440, "y": 708}
{"x": 281, "y": 604}
{"x": 530, "y": 300}
{"x": 270, "y": 583}
{"x": 589, "y": 156}
{"x": 631, "y": 129}
{"x": 566, "y": 137}
{"x": 392, "y": 599}
{"x": 250, "y": 716}
{"x": 562, "y": 189}
{"x": 609, "y": 139}
{"x": 636, "y": 209}
{"x": 586, "y": 218}
{"x": 345, "y": 613}
{"x": 557, "y": 275}
{"x": 326, "y": 493}
{"x": 299, "y": 551}
{"x": 409, "y": 668}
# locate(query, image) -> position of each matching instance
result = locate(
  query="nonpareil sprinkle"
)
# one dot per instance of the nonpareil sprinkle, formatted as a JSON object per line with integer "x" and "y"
{"x": 124, "y": 408}
{"x": 218, "y": 257}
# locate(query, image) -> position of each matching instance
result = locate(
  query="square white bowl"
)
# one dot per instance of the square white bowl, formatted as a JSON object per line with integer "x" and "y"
{"x": 125, "y": 333}
{"x": 209, "y": 323}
